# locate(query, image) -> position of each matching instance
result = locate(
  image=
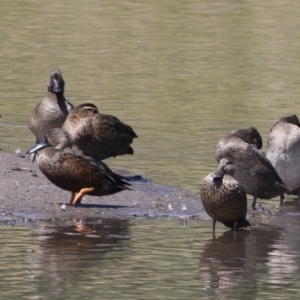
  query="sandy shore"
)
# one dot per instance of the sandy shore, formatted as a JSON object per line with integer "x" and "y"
{"x": 27, "y": 194}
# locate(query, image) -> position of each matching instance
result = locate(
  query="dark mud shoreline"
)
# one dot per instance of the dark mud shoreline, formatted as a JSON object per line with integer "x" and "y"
{"x": 26, "y": 194}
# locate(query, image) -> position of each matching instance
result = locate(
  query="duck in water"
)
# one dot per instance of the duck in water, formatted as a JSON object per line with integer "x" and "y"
{"x": 283, "y": 150}
{"x": 249, "y": 167}
{"x": 225, "y": 201}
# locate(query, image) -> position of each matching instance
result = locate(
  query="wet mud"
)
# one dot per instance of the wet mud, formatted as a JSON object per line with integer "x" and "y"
{"x": 28, "y": 195}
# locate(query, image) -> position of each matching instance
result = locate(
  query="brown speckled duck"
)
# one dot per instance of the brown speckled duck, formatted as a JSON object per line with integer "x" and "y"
{"x": 250, "y": 167}
{"x": 224, "y": 201}
{"x": 97, "y": 135}
{"x": 69, "y": 169}
{"x": 53, "y": 110}
{"x": 283, "y": 151}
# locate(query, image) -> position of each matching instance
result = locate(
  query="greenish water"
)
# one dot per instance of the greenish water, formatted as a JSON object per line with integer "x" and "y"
{"x": 182, "y": 74}
{"x": 148, "y": 259}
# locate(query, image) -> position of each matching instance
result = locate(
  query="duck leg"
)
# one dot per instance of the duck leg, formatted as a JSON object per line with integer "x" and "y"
{"x": 214, "y": 225}
{"x": 72, "y": 198}
{"x": 235, "y": 226}
{"x": 254, "y": 202}
{"x": 81, "y": 193}
{"x": 281, "y": 199}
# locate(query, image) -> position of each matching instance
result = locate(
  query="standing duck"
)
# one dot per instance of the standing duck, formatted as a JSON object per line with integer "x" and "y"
{"x": 283, "y": 151}
{"x": 225, "y": 201}
{"x": 53, "y": 110}
{"x": 97, "y": 135}
{"x": 250, "y": 167}
{"x": 69, "y": 169}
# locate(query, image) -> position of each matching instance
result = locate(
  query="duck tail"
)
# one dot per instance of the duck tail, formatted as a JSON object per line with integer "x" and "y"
{"x": 114, "y": 178}
{"x": 243, "y": 223}
{"x": 119, "y": 180}
{"x": 282, "y": 186}
{"x": 124, "y": 185}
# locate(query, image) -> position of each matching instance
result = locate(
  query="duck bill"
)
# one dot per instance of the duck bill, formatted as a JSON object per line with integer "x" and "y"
{"x": 56, "y": 86}
{"x": 39, "y": 146}
{"x": 219, "y": 173}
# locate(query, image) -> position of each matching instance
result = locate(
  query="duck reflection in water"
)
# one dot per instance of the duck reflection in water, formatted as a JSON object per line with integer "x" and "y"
{"x": 70, "y": 252}
{"x": 68, "y": 168}
{"x": 229, "y": 264}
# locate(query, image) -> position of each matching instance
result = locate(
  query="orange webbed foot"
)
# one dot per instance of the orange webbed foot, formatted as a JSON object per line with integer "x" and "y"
{"x": 79, "y": 196}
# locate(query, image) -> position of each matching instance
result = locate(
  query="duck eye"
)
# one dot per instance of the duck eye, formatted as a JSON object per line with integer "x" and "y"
{"x": 91, "y": 109}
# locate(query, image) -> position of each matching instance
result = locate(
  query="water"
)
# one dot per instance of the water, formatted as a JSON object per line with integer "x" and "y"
{"x": 182, "y": 74}
{"x": 148, "y": 259}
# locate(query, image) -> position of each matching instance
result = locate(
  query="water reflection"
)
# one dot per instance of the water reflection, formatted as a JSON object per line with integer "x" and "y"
{"x": 283, "y": 259}
{"x": 150, "y": 259}
{"x": 69, "y": 254}
{"x": 232, "y": 263}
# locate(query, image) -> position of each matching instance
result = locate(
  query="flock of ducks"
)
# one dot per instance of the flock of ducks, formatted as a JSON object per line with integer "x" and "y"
{"x": 244, "y": 169}
{"x": 75, "y": 141}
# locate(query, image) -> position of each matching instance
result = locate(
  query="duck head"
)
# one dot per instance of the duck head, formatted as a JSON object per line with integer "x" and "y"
{"x": 225, "y": 166}
{"x": 250, "y": 136}
{"x": 56, "y": 82}
{"x": 85, "y": 110}
{"x": 56, "y": 138}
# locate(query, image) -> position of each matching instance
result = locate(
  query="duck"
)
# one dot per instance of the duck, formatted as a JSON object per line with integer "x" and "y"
{"x": 70, "y": 169}
{"x": 249, "y": 135}
{"x": 53, "y": 110}
{"x": 98, "y": 135}
{"x": 249, "y": 167}
{"x": 224, "y": 200}
{"x": 283, "y": 148}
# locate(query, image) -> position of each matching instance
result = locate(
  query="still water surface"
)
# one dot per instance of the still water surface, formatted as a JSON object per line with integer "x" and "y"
{"x": 148, "y": 259}
{"x": 182, "y": 74}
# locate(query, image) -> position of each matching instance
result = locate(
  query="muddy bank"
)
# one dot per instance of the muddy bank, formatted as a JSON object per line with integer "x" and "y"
{"x": 27, "y": 194}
